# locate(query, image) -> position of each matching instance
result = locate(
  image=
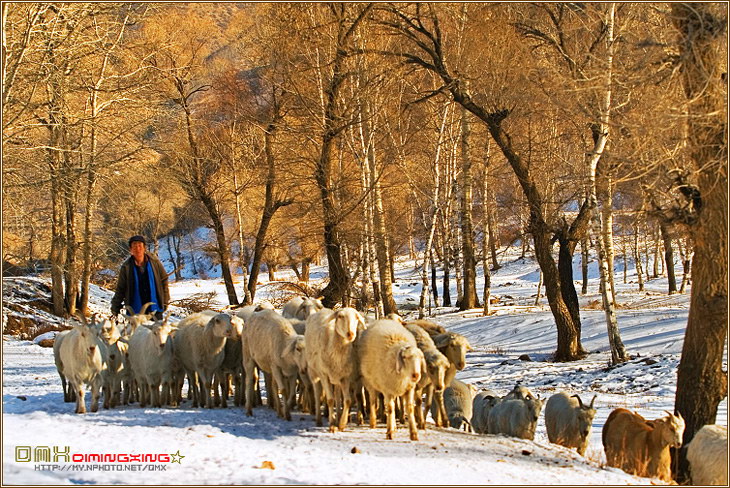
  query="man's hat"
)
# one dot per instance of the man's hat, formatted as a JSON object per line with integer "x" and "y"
{"x": 137, "y": 239}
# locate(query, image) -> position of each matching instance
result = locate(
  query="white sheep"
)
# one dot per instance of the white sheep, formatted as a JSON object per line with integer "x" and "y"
{"x": 149, "y": 361}
{"x": 707, "y": 456}
{"x": 114, "y": 355}
{"x": 515, "y": 417}
{"x": 68, "y": 393}
{"x": 458, "y": 398}
{"x": 429, "y": 326}
{"x": 134, "y": 320}
{"x": 200, "y": 344}
{"x": 640, "y": 446}
{"x": 301, "y": 308}
{"x": 454, "y": 346}
{"x": 231, "y": 370}
{"x": 482, "y": 403}
{"x": 569, "y": 421}
{"x": 390, "y": 363}
{"x": 270, "y": 343}
{"x": 244, "y": 313}
{"x": 82, "y": 363}
{"x": 434, "y": 381}
{"x": 332, "y": 359}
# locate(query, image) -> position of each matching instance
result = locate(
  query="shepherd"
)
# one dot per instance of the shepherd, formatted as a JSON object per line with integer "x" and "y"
{"x": 142, "y": 278}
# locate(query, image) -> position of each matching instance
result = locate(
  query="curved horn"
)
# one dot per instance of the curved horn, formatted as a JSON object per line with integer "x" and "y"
{"x": 580, "y": 402}
{"x": 129, "y": 310}
{"x": 144, "y": 308}
{"x": 593, "y": 400}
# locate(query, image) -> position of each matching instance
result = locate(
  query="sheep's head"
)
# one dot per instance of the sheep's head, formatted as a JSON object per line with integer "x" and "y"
{"x": 453, "y": 346}
{"x": 584, "y": 416}
{"x": 222, "y": 325}
{"x": 308, "y": 307}
{"x": 520, "y": 392}
{"x": 135, "y": 320}
{"x": 672, "y": 429}
{"x": 296, "y": 350}
{"x": 409, "y": 359}
{"x": 347, "y": 321}
{"x": 396, "y": 317}
{"x": 88, "y": 333}
{"x": 161, "y": 330}
{"x": 436, "y": 366}
{"x": 237, "y": 326}
{"x": 108, "y": 331}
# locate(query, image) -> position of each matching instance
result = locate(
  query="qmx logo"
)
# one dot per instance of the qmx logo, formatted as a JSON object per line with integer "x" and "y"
{"x": 47, "y": 458}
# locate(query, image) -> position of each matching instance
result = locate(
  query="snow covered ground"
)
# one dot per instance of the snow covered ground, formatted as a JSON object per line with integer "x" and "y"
{"x": 226, "y": 447}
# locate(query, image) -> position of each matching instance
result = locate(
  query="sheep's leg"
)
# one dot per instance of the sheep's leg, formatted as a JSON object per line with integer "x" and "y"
{"x": 142, "y": 393}
{"x": 441, "y": 409}
{"x": 206, "y": 399}
{"x": 95, "y": 385}
{"x": 330, "y": 396}
{"x": 346, "y": 402}
{"x": 278, "y": 378}
{"x": 428, "y": 391}
{"x": 389, "y": 401}
{"x": 317, "y": 387}
{"x": 257, "y": 399}
{"x": 193, "y": 388}
{"x": 292, "y": 392}
{"x": 271, "y": 393}
{"x": 416, "y": 406}
{"x": 80, "y": 392}
{"x": 400, "y": 410}
{"x": 372, "y": 404}
{"x": 249, "y": 372}
{"x": 156, "y": 397}
{"x": 238, "y": 401}
{"x": 106, "y": 391}
{"x": 411, "y": 417}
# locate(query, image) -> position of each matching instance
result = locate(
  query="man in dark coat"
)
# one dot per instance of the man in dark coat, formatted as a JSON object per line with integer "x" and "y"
{"x": 142, "y": 278}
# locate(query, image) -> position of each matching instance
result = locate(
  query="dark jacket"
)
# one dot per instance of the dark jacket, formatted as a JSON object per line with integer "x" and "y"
{"x": 125, "y": 282}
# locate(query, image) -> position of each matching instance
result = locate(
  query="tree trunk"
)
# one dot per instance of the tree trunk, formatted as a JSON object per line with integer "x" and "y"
{"x": 600, "y": 137}
{"x": 657, "y": 258}
{"x": 668, "y": 257}
{"x": 487, "y": 237}
{"x": 607, "y": 231}
{"x": 434, "y": 283}
{"x": 380, "y": 232}
{"x": 247, "y": 298}
{"x": 271, "y": 205}
{"x": 56, "y": 256}
{"x": 686, "y": 264}
{"x": 701, "y": 382}
{"x": 446, "y": 293}
{"x": 470, "y": 299}
{"x": 584, "y": 264}
{"x": 224, "y": 252}
{"x": 637, "y": 255}
{"x": 493, "y": 226}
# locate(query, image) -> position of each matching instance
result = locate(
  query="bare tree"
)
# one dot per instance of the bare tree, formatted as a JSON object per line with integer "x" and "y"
{"x": 701, "y": 382}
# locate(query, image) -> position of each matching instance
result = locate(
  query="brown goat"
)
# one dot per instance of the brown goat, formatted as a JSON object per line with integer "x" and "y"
{"x": 640, "y": 446}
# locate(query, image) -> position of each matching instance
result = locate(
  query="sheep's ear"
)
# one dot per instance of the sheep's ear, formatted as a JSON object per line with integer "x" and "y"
{"x": 441, "y": 340}
{"x": 290, "y": 347}
{"x": 400, "y": 360}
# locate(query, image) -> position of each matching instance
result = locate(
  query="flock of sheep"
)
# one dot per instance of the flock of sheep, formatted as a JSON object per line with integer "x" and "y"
{"x": 379, "y": 369}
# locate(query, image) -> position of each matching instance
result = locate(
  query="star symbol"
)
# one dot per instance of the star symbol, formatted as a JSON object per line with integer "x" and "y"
{"x": 176, "y": 457}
